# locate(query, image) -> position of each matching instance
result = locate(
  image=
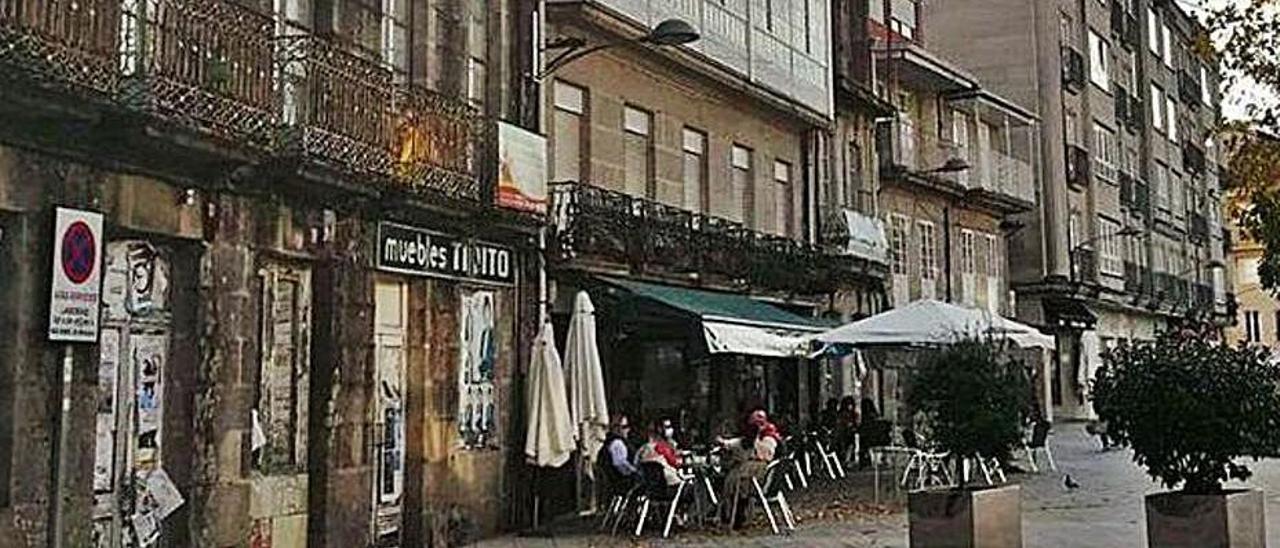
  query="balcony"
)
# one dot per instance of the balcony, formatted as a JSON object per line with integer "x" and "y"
{"x": 349, "y": 113}
{"x": 1203, "y": 297}
{"x": 1141, "y": 198}
{"x": 1135, "y": 109}
{"x": 1133, "y": 281}
{"x": 1084, "y": 265}
{"x": 1077, "y": 166}
{"x": 1189, "y": 89}
{"x": 596, "y": 225}
{"x": 1198, "y": 228}
{"x": 68, "y": 46}
{"x": 1122, "y": 105}
{"x": 208, "y": 65}
{"x": 1193, "y": 158}
{"x": 1073, "y": 75}
{"x": 1126, "y": 189}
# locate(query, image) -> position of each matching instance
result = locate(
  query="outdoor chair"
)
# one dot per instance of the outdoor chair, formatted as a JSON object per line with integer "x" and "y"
{"x": 657, "y": 494}
{"x": 769, "y": 492}
{"x": 830, "y": 460}
{"x": 1039, "y": 443}
{"x": 620, "y": 492}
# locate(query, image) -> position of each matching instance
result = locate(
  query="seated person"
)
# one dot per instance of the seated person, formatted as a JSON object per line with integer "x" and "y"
{"x": 661, "y": 450}
{"x": 615, "y": 454}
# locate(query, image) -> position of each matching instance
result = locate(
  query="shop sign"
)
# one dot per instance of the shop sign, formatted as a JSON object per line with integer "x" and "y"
{"x": 415, "y": 251}
{"x": 522, "y": 169}
{"x": 75, "y": 289}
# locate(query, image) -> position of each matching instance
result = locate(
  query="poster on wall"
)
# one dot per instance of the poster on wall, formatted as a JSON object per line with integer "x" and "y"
{"x": 476, "y": 404}
{"x": 148, "y": 364}
{"x": 522, "y": 169}
{"x": 76, "y": 284}
{"x": 105, "y": 428}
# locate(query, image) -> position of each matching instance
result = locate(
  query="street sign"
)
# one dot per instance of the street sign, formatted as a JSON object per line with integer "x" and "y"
{"x": 75, "y": 289}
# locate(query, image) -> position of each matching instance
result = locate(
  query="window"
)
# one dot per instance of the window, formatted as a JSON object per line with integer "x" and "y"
{"x": 743, "y": 189}
{"x": 1157, "y": 108}
{"x": 993, "y": 256}
{"x": 1168, "y": 45}
{"x": 696, "y": 189}
{"x": 1071, "y": 122}
{"x": 899, "y": 236}
{"x": 1135, "y": 251}
{"x": 566, "y": 132}
{"x": 1153, "y": 32}
{"x": 1129, "y": 160}
{"x": 782, "y": 198}
{"x": 853, "y": 177}
{"x": 1099, "y": 61}
{"x": 1104, "y": 152}
{"x": 1252, "y": 326}
{"x": 968, "y": 259}
{"x": 928, "y": 250}
{"x": 1176, "y": 197}
{"x": 1161, "y": 186}
{"x": 1110, "y": 257}
{"x": 637, "y": 151}
{"x": 903, "y": 18}
{"x": 395, "y": 45}
{"x": 960, "y": 137}
{"x": 876, "y": 11}
{"x": 281, "y": 409}
{"x": 1172, "y": 112}
{"x": 1206, "y": 93}
{"x": 1073, "y": 229}
{"x": 478, "y": 46}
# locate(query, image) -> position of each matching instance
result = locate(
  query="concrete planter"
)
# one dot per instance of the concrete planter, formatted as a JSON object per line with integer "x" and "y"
{"x": 1231, "y": 519}
{"x": 985, "y": 517}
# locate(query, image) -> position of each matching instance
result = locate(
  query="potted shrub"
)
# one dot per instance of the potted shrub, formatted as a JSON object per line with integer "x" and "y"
{"x": 973, "y": 403}
{"x": 1191, "y": 407}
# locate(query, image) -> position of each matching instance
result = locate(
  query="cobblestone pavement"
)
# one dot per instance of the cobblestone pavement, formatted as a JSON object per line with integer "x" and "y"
{"x": 1106, "y": 511}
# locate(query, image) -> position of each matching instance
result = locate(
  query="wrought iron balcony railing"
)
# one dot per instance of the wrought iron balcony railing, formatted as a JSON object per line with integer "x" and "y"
{"x": 66, "y": 44}
{"x": 347, "y": 111}
{"x": 600, "y": 225}
{"x": 207, "y": 64}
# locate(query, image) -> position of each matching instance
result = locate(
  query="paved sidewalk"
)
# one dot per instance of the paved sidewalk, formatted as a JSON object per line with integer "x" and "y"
{"x": 1106, "y": 511}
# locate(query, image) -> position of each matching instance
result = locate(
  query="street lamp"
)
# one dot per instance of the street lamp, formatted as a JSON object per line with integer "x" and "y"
{"x": 671, "y": 32}
{"x": 1071, "y": 255}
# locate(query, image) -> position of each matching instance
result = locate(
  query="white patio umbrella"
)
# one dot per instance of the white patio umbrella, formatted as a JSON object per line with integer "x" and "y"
{"x": 549, "y": 440}
{"x": 587, "y": 403}
{"x": 933, "y": 322}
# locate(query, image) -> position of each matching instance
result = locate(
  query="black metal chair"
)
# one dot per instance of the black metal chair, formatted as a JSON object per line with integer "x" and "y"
{"x": 655, "y": 492}
{"x": 1040, "y": 443}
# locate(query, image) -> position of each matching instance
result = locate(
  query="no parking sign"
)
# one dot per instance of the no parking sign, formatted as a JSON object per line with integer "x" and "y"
{"x": 76, "y": 286}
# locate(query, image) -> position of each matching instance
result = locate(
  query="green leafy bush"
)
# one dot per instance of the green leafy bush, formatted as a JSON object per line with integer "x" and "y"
{"x": 1190, "y": 407}
{"x": 974, "y": 401}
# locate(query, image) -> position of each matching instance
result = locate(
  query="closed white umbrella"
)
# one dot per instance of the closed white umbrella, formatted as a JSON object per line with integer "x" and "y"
{"x": 550, "y": 436}
{"x": 587, "y": 402}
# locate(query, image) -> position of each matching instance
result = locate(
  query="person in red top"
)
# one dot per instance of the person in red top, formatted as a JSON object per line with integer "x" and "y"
{"x": 661, "y": 449}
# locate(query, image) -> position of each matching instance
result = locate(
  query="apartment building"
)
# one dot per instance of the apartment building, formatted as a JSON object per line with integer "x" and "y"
{"x": 1129, "y": 238}
{"x": 257, "y": 368}
{"x": 1257, "y": 314}
{"x": 691, "y": 199}
{"x": 954, "y": 160}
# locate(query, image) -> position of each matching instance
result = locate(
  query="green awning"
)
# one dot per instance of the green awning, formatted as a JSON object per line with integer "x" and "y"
{"x": 716, "y": 306}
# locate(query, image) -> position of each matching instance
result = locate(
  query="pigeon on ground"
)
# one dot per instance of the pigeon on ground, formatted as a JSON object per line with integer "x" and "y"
{"x": 1069, "y": 483}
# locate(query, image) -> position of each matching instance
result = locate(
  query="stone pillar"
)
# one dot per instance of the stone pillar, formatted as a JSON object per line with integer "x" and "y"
{"x": 1053, "y": 162}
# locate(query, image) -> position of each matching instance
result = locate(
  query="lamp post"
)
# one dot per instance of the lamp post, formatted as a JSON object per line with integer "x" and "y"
{"x": 1071, "y": 255}
{"x": 670, "y": 32}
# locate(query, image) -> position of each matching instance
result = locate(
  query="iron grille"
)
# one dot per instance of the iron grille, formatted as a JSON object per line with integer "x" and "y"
{"x": 65, "y": 44}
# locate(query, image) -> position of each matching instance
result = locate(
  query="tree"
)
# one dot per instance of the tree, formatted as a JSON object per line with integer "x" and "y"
{"x": 1190, "y": 407}
{"x": 1244, "y": 36}
{"x": 973, "y": 400}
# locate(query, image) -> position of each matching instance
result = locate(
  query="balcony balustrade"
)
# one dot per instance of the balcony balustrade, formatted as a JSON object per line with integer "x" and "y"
{"x": 207, "y": 64}
{"x": 66, "y": 44}
{"x": 600, "y": 225}
{"x": 350, "y": 112}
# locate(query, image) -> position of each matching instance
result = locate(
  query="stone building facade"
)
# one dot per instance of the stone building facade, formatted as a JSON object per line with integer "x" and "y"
{"x": 258, "y": 343}
{"x": 1130, "y": 238}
